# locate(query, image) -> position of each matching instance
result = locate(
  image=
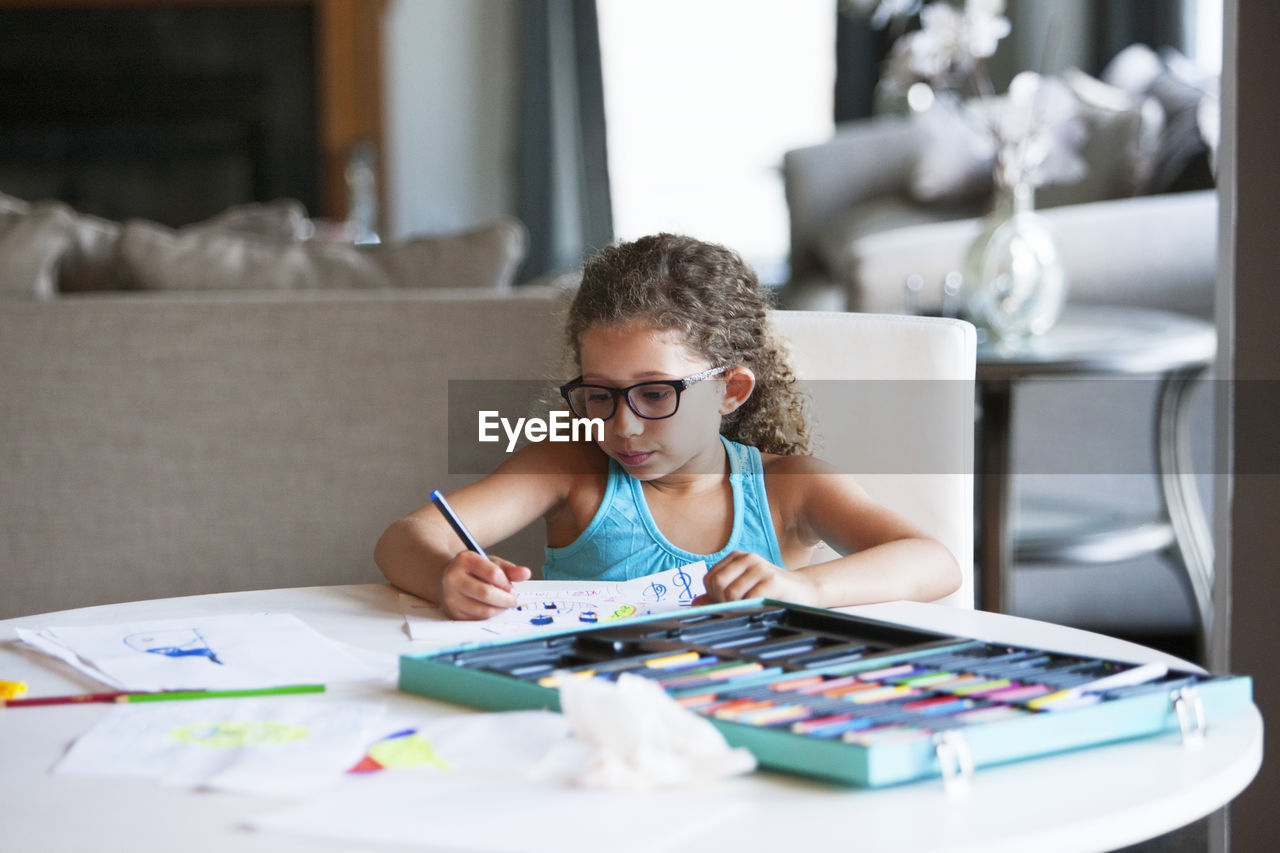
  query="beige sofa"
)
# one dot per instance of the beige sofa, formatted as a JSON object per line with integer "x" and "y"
{"x": 174, "y": 444}
{"x": 230, "y": 405}
{"x": 178, "y": 443}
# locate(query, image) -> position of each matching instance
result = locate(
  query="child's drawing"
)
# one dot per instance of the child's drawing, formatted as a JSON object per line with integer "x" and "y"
{"x": 175, "y": 643}
{"x": 562, "y": 605}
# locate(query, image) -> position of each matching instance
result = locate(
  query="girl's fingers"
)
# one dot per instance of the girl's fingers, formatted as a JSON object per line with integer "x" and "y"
{"x": 478, "y": 588}
{"x": 513, "y": 572}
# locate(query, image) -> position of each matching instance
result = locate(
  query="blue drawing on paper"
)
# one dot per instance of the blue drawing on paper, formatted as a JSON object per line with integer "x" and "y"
{"x": 655, "y": 591}
{"x": 172, "y": 643}
{"x": 684, "y": 593}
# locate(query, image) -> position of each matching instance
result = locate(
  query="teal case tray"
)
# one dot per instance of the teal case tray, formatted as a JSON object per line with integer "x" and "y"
{"x": 473, "y": 675}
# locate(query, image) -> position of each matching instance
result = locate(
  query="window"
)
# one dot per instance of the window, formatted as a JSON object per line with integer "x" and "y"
{"x": 701, "y": 101}
{"x": 1204, "y": 33}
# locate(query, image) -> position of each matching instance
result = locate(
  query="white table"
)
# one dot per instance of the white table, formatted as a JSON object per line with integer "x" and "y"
{"x": 1093, "y": 799}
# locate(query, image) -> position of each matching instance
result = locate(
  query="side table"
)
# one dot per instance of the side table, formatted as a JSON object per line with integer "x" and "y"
{"x": 1098, "y": 341}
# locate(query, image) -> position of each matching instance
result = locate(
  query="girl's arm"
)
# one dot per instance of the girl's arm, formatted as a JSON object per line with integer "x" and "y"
{"x": 888, "y": 558}
{"x": 421, "y": 554}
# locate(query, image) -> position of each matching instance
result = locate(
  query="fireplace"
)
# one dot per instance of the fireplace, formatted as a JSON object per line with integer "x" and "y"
{"x": 175, "y": 111}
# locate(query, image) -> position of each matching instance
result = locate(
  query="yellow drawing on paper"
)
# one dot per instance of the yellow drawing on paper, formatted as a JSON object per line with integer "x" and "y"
{"x": 235, "y": 734}
{"x": 411, "y": 750}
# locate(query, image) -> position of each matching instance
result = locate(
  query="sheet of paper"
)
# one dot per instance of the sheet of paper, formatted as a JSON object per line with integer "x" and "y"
{"x": 45, "y": 642}
{"x": 273, "y": 746}
{"x": 560, "y": 605}
{"x": 213, "y": 652}
{"x": 504, "y": 742}
{"x": 437, "y": 812}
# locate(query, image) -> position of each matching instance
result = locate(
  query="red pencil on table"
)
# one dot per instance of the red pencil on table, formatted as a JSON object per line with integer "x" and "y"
{"x": 63, "y": 700}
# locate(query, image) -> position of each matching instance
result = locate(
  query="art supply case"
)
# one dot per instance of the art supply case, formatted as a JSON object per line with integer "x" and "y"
{"x": 837, "y": 697}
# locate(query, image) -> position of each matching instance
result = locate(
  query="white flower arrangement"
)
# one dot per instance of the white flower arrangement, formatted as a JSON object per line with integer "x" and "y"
{"x": 1031, "y": 136}
{"x": 946, "y": 51}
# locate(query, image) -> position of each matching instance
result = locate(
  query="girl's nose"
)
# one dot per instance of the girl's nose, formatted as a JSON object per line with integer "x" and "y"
{"x": 625, "y": 422}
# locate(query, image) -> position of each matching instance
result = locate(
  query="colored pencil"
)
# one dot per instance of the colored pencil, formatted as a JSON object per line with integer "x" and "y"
{"x": 123, "y": 696}
{"x": 459, "y": 528}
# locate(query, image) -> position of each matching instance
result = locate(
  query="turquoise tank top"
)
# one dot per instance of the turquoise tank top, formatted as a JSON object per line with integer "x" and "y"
{"x": 623, "y": 541}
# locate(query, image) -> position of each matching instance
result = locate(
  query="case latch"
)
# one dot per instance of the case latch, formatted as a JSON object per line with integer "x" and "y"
{"x": 955, "y": 761}
{"x": 1189, "y": 706}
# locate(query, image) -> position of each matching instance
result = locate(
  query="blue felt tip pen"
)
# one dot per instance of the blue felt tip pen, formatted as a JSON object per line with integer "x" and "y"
{"x": 456, "y": 523}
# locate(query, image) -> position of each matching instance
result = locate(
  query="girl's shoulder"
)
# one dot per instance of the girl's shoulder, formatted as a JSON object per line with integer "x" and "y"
{"x": 774, "y": 463}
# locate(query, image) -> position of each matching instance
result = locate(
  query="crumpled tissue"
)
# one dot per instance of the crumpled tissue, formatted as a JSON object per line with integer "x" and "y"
{"x": 629, "y": 734}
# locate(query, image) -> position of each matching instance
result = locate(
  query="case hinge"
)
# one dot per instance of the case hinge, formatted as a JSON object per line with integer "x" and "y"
{"x": 1189, "y": 706}
{"x": 955, "y": 760}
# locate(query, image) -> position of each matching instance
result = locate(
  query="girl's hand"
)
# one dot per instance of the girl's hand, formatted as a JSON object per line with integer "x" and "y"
{"x": 741, "y": 575}
{"x": 475, "y": 588}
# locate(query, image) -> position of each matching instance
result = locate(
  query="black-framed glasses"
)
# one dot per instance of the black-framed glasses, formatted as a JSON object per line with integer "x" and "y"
{"x": 652, "y": 400}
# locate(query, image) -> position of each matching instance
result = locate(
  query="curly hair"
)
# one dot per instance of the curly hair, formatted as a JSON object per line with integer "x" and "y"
{"x": 712, "y": 299}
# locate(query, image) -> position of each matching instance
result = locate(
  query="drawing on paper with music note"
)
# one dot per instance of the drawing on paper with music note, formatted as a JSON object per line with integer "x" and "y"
{"x": 560, "y": 605}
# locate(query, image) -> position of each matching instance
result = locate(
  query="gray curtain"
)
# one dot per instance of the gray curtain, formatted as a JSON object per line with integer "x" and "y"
{"x": 564, "y": 168}
{"x": 1120, "y": 23}
{"x": 1046, "y": 37}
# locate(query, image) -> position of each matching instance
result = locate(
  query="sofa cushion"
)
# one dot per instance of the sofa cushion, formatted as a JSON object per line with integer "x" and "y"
{"x": 159, "y": 258}
{"x": 31, "y": 244}
{"x": 93, "y": 263}
{"x": 839, "y": 241}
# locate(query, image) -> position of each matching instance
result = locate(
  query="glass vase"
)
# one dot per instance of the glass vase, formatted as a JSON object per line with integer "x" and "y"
{"x": 1014, "y": 283}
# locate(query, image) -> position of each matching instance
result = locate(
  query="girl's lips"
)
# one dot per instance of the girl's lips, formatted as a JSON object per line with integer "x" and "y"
{"x": 633, "y": 458}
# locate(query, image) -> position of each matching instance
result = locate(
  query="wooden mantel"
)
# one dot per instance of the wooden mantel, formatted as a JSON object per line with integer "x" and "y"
{"x": 348, "y": 40}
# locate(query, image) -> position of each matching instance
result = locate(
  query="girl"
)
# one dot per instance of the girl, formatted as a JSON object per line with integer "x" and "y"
{"x": 703, "y": 458}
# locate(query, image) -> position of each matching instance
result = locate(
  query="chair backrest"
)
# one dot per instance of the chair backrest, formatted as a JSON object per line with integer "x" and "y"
{"x": 892, "y": 403}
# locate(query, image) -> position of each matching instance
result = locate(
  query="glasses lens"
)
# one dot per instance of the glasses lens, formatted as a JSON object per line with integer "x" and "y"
{"x": 653, "y": 401}
{"x": 588, "y": 401}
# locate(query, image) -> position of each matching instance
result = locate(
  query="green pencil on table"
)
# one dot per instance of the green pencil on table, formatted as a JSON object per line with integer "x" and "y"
{"x": 125, "y": 696}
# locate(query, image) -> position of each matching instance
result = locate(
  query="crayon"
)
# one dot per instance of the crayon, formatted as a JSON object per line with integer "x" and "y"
{"x": 929, "y": 679}
{"x": 887, "y": 672}
{"x": 1017, "y": 693}
{"x": 562, "y": 676}
{"x": 979, "y": 687}
{"x": 777, "y": 715}
{"x": 882, "y": 694}
{"x": 668, "y": 661}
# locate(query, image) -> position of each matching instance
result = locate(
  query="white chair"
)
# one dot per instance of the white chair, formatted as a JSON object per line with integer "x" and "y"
{"x": 892, "y": 401}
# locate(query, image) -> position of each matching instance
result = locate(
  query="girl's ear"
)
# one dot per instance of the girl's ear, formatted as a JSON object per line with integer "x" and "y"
{"x": 739, "y": 382}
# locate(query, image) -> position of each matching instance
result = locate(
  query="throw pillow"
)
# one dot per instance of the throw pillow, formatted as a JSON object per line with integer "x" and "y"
{"x": 284, "y": 219}
{"x": 93, "y": 264}
{"x": 1182, "y": 160}
{"x": 956, "y": 158}
{"x": 159, "y": 258}
{"x": 10, "y": 204}
{"x": 1123, "y": 137}
{"x": 90, "y": 264}
{"x": 31, "y": 245}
